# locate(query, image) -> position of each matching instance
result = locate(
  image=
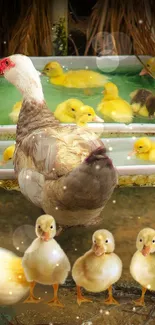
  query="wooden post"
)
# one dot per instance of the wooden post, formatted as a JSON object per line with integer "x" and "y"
{"x": 59, "y": 17}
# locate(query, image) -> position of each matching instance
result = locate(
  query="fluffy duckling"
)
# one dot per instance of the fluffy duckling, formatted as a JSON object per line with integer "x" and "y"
{"x": 13, "y": 284}
{"x": 143, "y": 262}
{"x": 15, "y": 112}
{"x": 85, "y": 115}
{"x": 73, "y": 78}
{"x": 144, "y": 149}
{"x": 7, "y": 154}
{"x": 150, "y": 65}
{"x": 143, "y": 102}
{"x": 113, "y": 107}
{"x": 99, "y": 268}
{"x": 44, "y": 261}
{"x": 66, "y": 111}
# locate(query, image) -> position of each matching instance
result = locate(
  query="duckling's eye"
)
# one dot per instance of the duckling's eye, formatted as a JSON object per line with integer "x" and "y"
{"x": 39, "y": 227}
{"x": 148, "y": 65}
{"x": 153, "y": 241}
{"x": 51, "y": 227}
{"x": 140, "y": 147}
{"x": 73, "y": 109}
{"x": 140, "y": 240}
{"x": 89, "y": 114}
{"x": 106, "y": 241}
{"x": 47, "y": 69}
{"x": 94, "y": 241}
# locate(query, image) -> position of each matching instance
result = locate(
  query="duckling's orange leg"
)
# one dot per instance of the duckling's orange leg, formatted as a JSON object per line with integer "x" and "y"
{"x": 32, "y": 298}
{"x": 110, "y": 300}
{"x": 55, "y": 301}
{"x": 81, "y": 298}
{"x": 140, "y": 301}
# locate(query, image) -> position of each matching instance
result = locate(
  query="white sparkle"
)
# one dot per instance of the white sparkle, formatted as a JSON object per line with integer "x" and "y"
{"x": 107, "y": 312}
{"x": 63, "y": 66}
{"x": 77, "y": 317}
{"x": 4, "y": 42}
{"x": 114, "y": 201}
{"x": 148, "y": 286}
{"x": 64, "y": 187}
{"x": 45, "y": 291}
{"x": 107, "y": 140}
{"x": 10, "y": 278}
{"x": 19, "y": 276}
{"x": 17, "y": 248}
{"x": 110, "y": 148}
{"x": 56, "y": 208}
{"x": 97, "y": 167}
{"x": 140, "y": 21}
{"x": 133, "y": 138}
{"x": 101, "y": 311}
{"x": 128, "y": 158}
{"x": 27, "y": 176}
{"x": 75, "y": 249}
{"x": 57, "y": 264}
{"x": 86, "y": 67}
{"x": 134, "y": 308}
{"x": 50, "y": 323}
{"x": 130, "y": 127}
{"x": 10, "y": 293}
{"x": 22, "y": 242}
{"x": 113, "y": 113}
{"x": 53, "y": 168}
{"x": 39, "y": 298}
{"x": 138, "y": 217}
{"x": 33, "y": 137}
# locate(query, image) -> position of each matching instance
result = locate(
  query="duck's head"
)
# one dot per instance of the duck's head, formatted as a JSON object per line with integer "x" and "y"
{"x": 150, "y": 64}
{"x": 103, "y": 242}
{"x": 53, "y": 69}
{"x": 19, "y": 70}
{"x": 146, "y": 241}
{"x": 142, "y": 145}
{"x": 7, "y": 154}
{"x": 87, "y": 114}
{"x": 72, "y": 107}
{"x": 110, "y": 91}
{"x": 45, "y": 227}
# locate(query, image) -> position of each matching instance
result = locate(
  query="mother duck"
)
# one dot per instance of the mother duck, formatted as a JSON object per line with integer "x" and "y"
{"x": 62, "y": 169}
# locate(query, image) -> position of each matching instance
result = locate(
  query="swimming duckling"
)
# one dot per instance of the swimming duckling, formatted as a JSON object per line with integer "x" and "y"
{"x": 113, "y": 107}
{"x": 7, "y": 154}
{"x": 44, "y": 261}
{"x": 15, "y": 112}
{"x": 85, "y": 115}
{"x": 142, "y": 267}
{"x": 143, "y": 102}
{"x": 73, "y": 78}
{"x": 99, "y": 268}
{"x": 150, "y": 65}
{"x": 144, "y": 149}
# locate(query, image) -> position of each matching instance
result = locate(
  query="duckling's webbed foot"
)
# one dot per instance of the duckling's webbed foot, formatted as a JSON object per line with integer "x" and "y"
{"x": 55, "y": 301}
{"x": 81, "y": 298}
{"x": 110, "y": 300}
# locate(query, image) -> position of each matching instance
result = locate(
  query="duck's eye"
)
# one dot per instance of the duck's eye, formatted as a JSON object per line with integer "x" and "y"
{"x": 7, "y": 62}
{"x": 94, "y": 241}
{"x": 89, "y": 114}
{"x": 153, "y": 241}
{"x": 39, "y": 227}
{"x": 106, "y": 241}
{"x": 140, "y": 240}
{"x": 140, "y": 147}
{"x": 73, "y": 109}
{"x": 51, "y": 227}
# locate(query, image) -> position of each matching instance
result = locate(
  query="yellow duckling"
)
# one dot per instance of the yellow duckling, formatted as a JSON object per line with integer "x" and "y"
{"x": 85, "y": 115}
{"x": 7, "y": 154}
{"x": 99, "y": 268}
{"x": 143, "y": 262}
{"x": 150, "y": 64}
{"x": 144, "y": 149}
{"x": 113, "y": 107}
{"x": 44, "y": 261}
{"x": 73, "y": 78}
{"x": 15, "y": 112}
{"x": 66, "y": 111}
{"x": 13, "y": 284}
{"x": 143, "y": 102}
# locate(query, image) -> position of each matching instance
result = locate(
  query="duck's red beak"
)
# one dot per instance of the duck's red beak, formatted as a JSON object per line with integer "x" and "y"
{"x": 6, "y": 64}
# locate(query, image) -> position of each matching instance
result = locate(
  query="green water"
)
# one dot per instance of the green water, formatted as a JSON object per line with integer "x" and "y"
{"x": 56, "y": 94}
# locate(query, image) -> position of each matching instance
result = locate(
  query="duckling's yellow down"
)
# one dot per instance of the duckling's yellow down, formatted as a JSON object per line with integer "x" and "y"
{"x": 113, "y": 107}
{"x": 144, "y": 149}
{"x": 7, "y": 154}
{"x": 15, "y": 112}
{"x": 73, "y": 78}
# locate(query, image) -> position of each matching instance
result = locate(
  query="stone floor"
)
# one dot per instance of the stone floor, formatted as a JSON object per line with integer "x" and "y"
{"x": 128, "y": 211}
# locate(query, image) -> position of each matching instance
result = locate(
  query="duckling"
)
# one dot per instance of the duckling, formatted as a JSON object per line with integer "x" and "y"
{"x": 144, "y": 149}
{"x": 66, "y": 111}
{"x": 113, "y": 107}
{"x": 7, "y": 154}
{"x": 143, "y": 102}
{"x": 143, "y": 262}
{"x": 73, "y": 78}
{"x": 13, "y": 284}
{"x": 44, "y": 261}
{"x": 99, "y": 268}
{"x": 85, "y": 115}
{"x": 15, "y": 112}
{"x": 150, "y": 65}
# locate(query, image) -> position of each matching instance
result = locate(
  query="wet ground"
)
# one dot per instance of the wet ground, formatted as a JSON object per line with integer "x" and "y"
{"x": 128, "y": 211}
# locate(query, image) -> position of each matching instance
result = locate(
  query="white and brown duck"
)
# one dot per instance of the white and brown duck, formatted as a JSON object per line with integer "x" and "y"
{"x": 62, "y": 169}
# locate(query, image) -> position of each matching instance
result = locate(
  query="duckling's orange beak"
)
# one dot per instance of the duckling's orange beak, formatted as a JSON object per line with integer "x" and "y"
{"x": 146, "y": 250}
{"x": 143, "y": 72}
{"x": 46, "y": 236}
{"x": 98, "y": 250}
{"x": 2, "y": 163}
{"x": 132, "y": 153}
{"x": 98, "y": 119}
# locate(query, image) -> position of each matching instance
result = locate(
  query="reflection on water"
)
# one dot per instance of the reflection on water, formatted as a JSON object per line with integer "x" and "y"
{"x": 128, "y": 211}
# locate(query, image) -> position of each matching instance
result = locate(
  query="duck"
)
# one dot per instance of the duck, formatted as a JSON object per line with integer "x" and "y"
{"x": 150, "y": 66}
{"x": 114, "y": 108}
{"x": 8, "y": 154}
{"x": 144, "y": 149}
{"x": 73, "y": 78}
{"x": 15, "y": 112}
{"x": 51, "y": 160}
{"x": 143, "y": 262}
{"x": 44, "y": 261}
{"x": 143, "y": 102}
{"x": 13, "y": 284}
{"x": 99, "y": 268}
{"x": 74, "y": 111}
